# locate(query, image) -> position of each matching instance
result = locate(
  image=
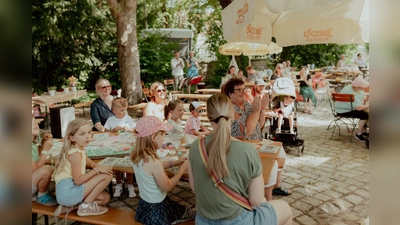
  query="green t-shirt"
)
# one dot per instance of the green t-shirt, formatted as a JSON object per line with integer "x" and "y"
{"x": 343, "y": 107}
{"x": 244, "y": 164}
{"x": 35, "y": 152}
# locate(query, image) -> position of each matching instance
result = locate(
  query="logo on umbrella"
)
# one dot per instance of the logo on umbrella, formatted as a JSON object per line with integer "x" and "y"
{"x": 241, "y": 13}
{"x": 318, "y": 35}
{"x": 253, "y": 33}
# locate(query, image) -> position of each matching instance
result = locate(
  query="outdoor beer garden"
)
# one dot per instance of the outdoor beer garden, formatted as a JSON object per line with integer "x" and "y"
{"x": 200, "y": 112}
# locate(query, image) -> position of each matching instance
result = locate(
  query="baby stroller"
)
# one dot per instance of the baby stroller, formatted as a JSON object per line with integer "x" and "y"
{"x": 281, "y": 88}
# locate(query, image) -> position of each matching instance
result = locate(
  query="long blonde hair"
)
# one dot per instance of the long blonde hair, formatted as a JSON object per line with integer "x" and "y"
{"x": 144, "y": 148}
{"x": 219, "y": 111}
{"x": 276, "y": 69}
{"x": 72, "y": 127}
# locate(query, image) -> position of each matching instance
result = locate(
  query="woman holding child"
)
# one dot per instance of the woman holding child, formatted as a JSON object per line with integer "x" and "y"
{"x": 238, "y": 169}
{"x": 100, "y": 110}
{"x": 158, "y": 102}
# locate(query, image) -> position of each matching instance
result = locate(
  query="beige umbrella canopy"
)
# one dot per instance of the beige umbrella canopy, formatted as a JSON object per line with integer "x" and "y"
{"x": 342, "y": 22}
{"x": 249, "y": 49}
{"x": 257, "y": 21}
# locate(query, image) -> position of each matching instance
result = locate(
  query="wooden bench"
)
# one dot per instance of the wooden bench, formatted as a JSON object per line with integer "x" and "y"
{"x": 83, "y": 105}
{"x": 113, "y": 216}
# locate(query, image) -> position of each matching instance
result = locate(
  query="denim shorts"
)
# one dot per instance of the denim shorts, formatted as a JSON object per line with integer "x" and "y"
{"x": 68, "y": 194}
{"x": 263, "y": 214}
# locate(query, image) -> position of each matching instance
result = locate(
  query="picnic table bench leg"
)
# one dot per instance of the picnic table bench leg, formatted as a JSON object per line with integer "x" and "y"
{"x": 34, "y": 218}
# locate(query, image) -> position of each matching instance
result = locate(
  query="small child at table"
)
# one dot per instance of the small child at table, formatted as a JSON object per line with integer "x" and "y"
{"x": 121, "y": 122}
{"x": 284, "y": 109}
{"x": 73, "y": 184}
{"x": 173, "y": 114}
{"x": 41, "y": 173}
{"x": 154, "y": 206}
{"x": 193, "y": 124}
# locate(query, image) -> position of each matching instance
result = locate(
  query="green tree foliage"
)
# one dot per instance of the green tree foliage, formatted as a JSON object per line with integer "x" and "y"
{"x": 155, "y": 57}
{"x": 72, "y": 38}
{"x": 319, "y": 54}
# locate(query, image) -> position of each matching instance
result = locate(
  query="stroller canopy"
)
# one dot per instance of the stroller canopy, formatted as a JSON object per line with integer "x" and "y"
{"x": 283, "y": 86}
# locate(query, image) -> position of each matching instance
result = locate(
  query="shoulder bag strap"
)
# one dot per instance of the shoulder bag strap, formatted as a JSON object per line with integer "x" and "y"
{"x": 234, "y": 196}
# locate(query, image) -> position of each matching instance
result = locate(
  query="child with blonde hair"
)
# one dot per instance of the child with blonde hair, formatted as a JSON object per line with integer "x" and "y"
{"x": 121, "y": 122}
{"x": 154, "y": 205}
{"x": 73, "y": 185}
{"x": 41, "y": 173}
{"x": 173, "y": 114}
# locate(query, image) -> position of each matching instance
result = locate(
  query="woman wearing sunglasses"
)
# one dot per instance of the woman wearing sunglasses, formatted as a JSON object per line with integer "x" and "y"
{"x": 100, "y": 109}
{"x": 278, "y": 72}
{"x": 158, "y": 101}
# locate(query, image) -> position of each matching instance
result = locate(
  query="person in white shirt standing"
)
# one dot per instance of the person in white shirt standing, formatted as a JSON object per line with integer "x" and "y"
{"x": 177, "y": 69}
{"x": 359, "y": 61}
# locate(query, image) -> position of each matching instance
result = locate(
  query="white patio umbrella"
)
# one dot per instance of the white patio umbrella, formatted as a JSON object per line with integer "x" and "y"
{"x": 341, "y": 22}
{"x": 347, "y": 21}
{"x": 249, "y": 49}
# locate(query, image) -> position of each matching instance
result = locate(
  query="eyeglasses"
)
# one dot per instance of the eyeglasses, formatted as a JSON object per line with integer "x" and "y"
{"x": 161, "y": 90}
{"x": 105, "y": 87}
{"x": 239, "y": 89}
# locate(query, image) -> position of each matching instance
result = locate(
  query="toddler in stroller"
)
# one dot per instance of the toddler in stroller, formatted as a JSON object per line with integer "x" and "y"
{"x": 283, "y": 126}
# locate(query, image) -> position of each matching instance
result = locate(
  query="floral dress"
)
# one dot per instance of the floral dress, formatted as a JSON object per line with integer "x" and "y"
{"x": 236, "y": 124}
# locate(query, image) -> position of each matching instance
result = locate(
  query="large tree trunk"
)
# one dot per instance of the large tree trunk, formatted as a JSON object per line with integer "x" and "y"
{"x": 124, "y": 13}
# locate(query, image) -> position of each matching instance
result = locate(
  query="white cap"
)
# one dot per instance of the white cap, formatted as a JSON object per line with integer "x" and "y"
{"x": 259, "y": 82}
{"x": 197, "y": 104}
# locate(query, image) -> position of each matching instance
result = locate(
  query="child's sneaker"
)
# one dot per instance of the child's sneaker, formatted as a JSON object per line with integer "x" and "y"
{"x": 62, "y": 210}
{"x": 118, "y": 190}
{"x": 93, "y": 209}
{"x": 47, "y": 200}
{"x": 131, "y": 190}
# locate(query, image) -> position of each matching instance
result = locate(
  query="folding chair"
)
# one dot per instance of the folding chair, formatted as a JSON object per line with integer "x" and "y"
{"x": 168, "y": 82}
{"x": 350, "y": 122}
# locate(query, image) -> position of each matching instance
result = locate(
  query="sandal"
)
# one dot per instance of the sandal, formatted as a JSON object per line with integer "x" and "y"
{"x": 305, "y": 110}
{"x": 281, "y": 191}
{"x": 310, "y": 111}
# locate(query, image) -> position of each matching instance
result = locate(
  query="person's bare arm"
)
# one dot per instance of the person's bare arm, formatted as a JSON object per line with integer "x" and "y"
{"x": 252, "y": 120}
{"x": 256, "y": 191}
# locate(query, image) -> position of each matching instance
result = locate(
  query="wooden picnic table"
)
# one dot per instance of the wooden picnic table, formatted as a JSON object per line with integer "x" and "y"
{"x": 212, "y": 91}
{"x": 58, "y": 97}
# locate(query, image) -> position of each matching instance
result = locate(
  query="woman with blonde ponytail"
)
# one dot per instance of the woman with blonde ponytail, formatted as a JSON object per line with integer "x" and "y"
{"x": 238, "y": 166}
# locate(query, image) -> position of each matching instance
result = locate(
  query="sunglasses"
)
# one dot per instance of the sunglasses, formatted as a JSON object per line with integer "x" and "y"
{"x": 239, "y": 89}
{"x": 104, "y": 87}
{"x": 161, "y": 90}
{"x": 199, "y": 110}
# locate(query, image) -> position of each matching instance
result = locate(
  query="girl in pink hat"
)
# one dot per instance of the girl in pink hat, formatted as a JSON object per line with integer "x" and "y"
{"x": 154, "y": 205}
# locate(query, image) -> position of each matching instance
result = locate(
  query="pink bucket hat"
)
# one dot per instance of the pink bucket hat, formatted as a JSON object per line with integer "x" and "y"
{"x": 149, "y": 125}
{"x": 360, "y": 82}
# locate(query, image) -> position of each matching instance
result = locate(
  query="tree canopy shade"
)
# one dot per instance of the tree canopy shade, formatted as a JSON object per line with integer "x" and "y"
{"x": 71, "y": 38}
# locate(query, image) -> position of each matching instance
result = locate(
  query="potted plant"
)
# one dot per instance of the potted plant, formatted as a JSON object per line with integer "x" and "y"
{"x": 73, "y": 81}
{"x": 66, "y": 88}
{"x": 52, "y": 90}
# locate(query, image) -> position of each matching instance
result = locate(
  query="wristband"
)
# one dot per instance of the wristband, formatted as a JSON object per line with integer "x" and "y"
{"x": 45, "y": 152}
{"x": 96, "y": 170}
{"x": 170, "y": 164}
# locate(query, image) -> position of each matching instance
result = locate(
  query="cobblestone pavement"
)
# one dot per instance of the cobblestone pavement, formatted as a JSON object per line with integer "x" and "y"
{"x": 330, "y": 182}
